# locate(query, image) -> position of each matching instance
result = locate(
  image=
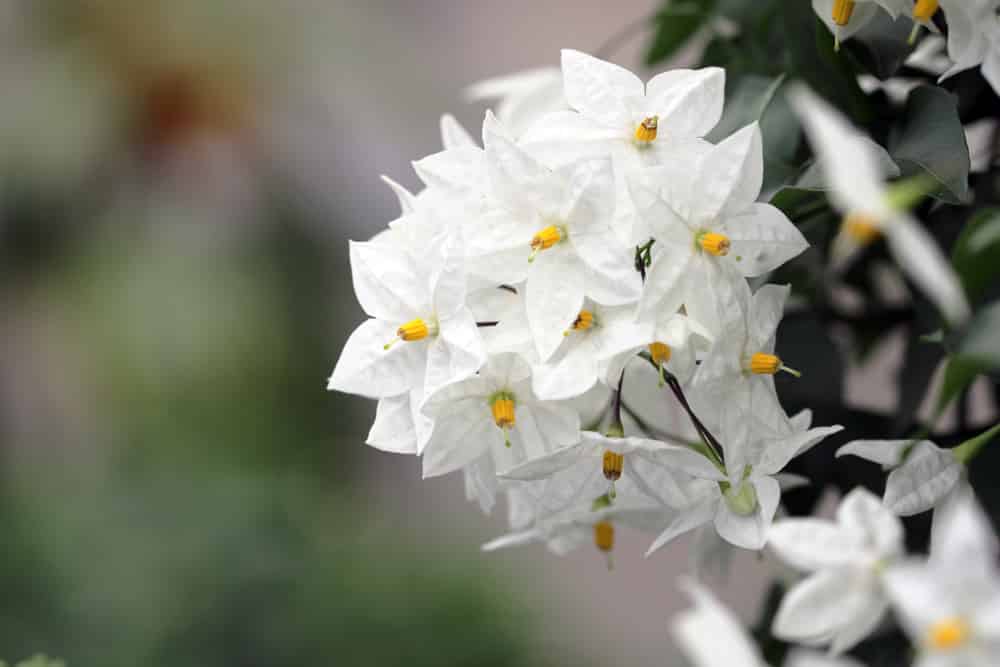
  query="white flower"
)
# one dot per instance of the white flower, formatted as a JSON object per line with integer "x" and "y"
{"x": 974, "y": 37}
{"x": 551, "y": 229}
{"x": 949, "y": 605}
{"x": 740, "y": 496}
{"x": 857, "y": 189}
{"x": 709, "y": 635}
{"x": 842, "y": 600}
{"x": 674, "y": 344}
{"x": 739, "y": 369}
{"x": 922, "y": 476}
{"x": 421, "y": 335}
{"x": 399, "y": 426}
{"x": 844, "y": 18}
{"x": 589, "y": 345}
{"x": 524, "y": 97}
{"x": 615, "y": 114}
{"x": 493, "y": 421}
{"x": 708, "y": 229}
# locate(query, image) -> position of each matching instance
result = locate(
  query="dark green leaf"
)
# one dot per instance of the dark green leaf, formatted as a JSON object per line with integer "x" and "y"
{"x": 930, "y": 141}
{"x": 675, "y": 24}
{"x": 966, "y": 451}
{"x": 980, "y": 344}
{"x": 882, "y": 45}
{"x": 958, "y": 374}
{"x": 976, "y": 254}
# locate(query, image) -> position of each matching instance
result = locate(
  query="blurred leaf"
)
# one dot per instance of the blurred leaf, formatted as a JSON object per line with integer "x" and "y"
{"x": 882, "y": 45}
{"x": 745, "y": 103}
{"x": 675, "y": 24}
{"x": 976, "y": 254}
{"x": 980, "y": 343}
{"x": 958, "y": 374}
{"x": 930, "y": 140}
{"x": 967, "y": 450}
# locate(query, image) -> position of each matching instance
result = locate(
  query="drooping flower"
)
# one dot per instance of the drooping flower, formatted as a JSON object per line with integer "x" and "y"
{"x": 708, "y": 229}
{"x": 845, "y": 18}
{"x": 857, "y": 189}
{"x": 842, "y": 599}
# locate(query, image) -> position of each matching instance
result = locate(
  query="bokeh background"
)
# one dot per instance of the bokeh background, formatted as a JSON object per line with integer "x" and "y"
{"x": 178, "y": 183}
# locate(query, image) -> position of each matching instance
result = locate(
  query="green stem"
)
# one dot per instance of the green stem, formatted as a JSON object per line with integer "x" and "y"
{"x": 969, "y": 449}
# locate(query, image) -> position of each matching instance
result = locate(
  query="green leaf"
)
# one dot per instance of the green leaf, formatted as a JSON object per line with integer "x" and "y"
{"x": 675, "y": 24}
{"x": 967, "y": 451}
{"x": 882, "y": 45}
{"x": 958, "y": 374}
{"x": 976, "y": 254}
{"x": 980, "y": 344}
{"x": 746, "y": 101}
{"x": 930, "y": 140}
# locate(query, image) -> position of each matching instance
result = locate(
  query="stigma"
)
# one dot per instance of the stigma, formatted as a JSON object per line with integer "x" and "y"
{"x": 543, "y": 240}
{"x": 415, "y": 329}
{"x": 714, "y": 244}
{"x": 762, "y": 363}
{"x": 948, "y": 634}
{"x": 842, "y": 10}
{"x": 646, "y": 131}
{"x": 861, "y": 228}
{"x": 502, "y": 405}
{"x": 583, "y": 322}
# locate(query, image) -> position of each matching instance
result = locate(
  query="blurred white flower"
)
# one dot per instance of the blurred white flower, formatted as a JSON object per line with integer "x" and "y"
{"x": 949, "y": 604}
{"x": 842, "y": 599}
{"x": 974, "y": 37}
{"x": 856, "y": 179}
{"x": 523, "y": 97}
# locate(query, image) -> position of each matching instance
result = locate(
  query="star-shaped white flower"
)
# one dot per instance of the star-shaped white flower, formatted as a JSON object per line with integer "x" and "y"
{"x": 708, "y": 229}
{"x": 949, "y": 604}
{"x": 523, "y": 97}
{"x": 856, "y": 178}
{"x": 588, "y": 346}
{"x": 740, "y": 496}
{"x": 421, "y": 335}
{"x": 973, "y": 37}
{"x": 842, "y": 599}
{"x": 494, "y": 421}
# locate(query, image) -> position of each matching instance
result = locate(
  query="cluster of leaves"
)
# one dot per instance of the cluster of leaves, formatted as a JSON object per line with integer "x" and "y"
{"x": 764, "y": 44}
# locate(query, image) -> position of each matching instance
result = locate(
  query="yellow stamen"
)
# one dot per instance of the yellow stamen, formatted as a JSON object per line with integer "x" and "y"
{"x": 861, "y": 227}
{"x": 612, "y": 465}
{"x": 763, "y": 363}
{"x": 842, "y": 10}
{"x": 646, "y": 132}
{"x": 660, "y": 352}
{"x": 948, "y": 634}
{"x": 415, "y": 329}
{"x": 583, "y": 321}
{"x": 924, "y": 9}
{"x": 544, "y": 240}
{"x": 604, "y": 536}
{"x": 714, "y": 244}
{"x": 502, "y": 404}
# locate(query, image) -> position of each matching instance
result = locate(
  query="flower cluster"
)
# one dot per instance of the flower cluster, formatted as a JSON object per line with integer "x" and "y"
{"x": 564, "y": 315}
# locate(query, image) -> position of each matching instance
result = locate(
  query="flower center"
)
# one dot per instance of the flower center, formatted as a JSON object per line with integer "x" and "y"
{"x": 762, "y": 363}
{"x": 842, "y": 10}
{"x": 612, "y": 465}
{"x": 924, "y": 9}
{"x": 660, "y": 352}
{"x": 646, "y": 131}
{"x": 544, "y": 240}
{"x": 415, "y": 329}
{"x": 742, "y": 500}
{"x": 861, "y": 227}
{"x": 948, "y": 634}
{"x": 714, "y": 244}
{"x": 604, "y": 536}
{"x": 584, "y": 321}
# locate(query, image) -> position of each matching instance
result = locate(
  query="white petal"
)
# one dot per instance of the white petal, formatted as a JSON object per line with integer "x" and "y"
{"x": 819, "y": 607}
{"x": 923, "y": 480}
{"x": 544, "y": 467}
{"x": 554, "y": 298}
{"x": 572, "y": 372}
{"x": 885, "y": 452}
{"x": 664, "y": 289}
{"x": 513, "y": 540}
{"x": 814, "y": 544}
{"x": 387, "y": 281}
{"x": 407, "y": 201}
{"x": 457, "y": 169}
{"x": 862, "y": 14}
{"x": 453, "y": 135}
{"x": 688, "y": 102}
{"x": 768, "y": 308}
{"x": 684, "y": 459}
{"x": 599, "y": 89}
{"x": 518, "y": 180}
{"x": 963, "y": 536}
{"x": 564, "y": 137}
{"x": 778, "y": 453}
{"x": 367, "y": 369}
{"x": 459, "y": 438}
{"x": 687, "y": 519}
{"x": 863, "y": 515}
{"x": 763, "y": 239}
{"x": 456, "y": 353}
{"x": 851, "y": 168}
{"x": 729, "y": 176}
{"x": 393, "y": 430}
{"x": 921, "y": 258}
{"x": 710, "y": 636}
